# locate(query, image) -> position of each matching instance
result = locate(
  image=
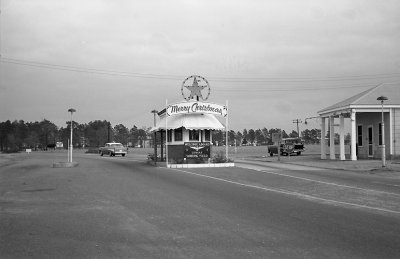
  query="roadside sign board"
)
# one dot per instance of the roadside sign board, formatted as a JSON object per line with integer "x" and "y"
{"x": 197, "y": 107}
{"x": 276, "y": 137}
{"x": 197, "y": 150}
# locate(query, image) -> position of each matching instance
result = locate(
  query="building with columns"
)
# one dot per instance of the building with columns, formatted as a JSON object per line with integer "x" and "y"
{"x": 365, "y": 113}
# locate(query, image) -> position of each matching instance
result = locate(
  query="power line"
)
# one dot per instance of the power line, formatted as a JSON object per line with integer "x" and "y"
{"x": 217, "y": 79}
{"x": 308, "y": 79}
{"x": 267, "y": 89}
{"x": 85, "y": 70}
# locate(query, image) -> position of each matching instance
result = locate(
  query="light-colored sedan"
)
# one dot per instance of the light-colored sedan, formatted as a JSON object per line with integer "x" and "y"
{"x": 113, "y": 149}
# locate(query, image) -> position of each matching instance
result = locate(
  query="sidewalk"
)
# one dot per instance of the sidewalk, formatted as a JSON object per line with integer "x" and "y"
{"x": 364, "y": 165}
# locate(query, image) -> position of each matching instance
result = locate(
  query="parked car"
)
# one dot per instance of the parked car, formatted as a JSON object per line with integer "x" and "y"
{"x": 288, "y": 146}
{"x": 113, "y": 149}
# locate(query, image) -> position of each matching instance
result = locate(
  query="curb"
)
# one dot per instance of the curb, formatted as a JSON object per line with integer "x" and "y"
{"x": 65, "y": 164}
{"x": 388, "y": 168}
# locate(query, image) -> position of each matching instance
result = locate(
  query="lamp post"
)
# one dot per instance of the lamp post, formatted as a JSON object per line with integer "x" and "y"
{"x": 382, "y": 99}
{"x": 71, "y": 110}
{"x": 155, "y": 136}
{"x": 305, "y": 120}
{"x": 154, "y": 113}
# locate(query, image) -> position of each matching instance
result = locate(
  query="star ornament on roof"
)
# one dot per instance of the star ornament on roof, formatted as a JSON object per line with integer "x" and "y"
{"x": 193, "y": 86}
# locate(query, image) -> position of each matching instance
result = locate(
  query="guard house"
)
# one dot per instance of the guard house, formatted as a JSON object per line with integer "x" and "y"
{"x": 365, "y": 114}
{"x": 186, "y": 127}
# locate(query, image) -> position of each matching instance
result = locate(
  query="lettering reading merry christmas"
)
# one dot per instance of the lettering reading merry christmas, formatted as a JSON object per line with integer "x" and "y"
{"x": 197, "y": 107}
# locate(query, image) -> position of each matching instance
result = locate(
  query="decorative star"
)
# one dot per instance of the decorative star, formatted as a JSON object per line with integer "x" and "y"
{"x": 195, "y": 89}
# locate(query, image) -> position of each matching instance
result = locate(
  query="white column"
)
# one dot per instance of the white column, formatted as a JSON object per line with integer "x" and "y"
{"x": 341, "y": 128}
{"x": 226, "y": 132}
{"x": 391, "y": 142}
{"x": 332, "y": 154}
{"x": 166, "y": 132}
{"x": 71, "y": 143}
{"x": 353, "y": 136}
{"x": 323, "y": 142}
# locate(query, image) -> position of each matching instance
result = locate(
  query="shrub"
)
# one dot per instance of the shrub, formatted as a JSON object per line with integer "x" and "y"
{"x": 220, "y": 158}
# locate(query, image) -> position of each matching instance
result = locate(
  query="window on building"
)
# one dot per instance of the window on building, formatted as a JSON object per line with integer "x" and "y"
{"x": 193, "y": 135}
{"x": 178, "y": 134}
{"x": 380, "y": 133}
{"x": 169, "y": 135}
{"x": 359, "y": 135}
{"x": 207, "y": 135}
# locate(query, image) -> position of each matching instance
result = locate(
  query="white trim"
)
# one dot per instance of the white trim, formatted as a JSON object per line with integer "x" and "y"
{"x": 357, "y": 108}
{"x": 353, "y": 136}
{"x": 391, "y": 133}
{"x": 372, "y": 110}
{"x": 177, "y": 166}
{"x": 374, "y": 106}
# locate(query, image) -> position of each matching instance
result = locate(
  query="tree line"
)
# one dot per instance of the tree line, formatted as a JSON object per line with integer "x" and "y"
{"x": 19, "y": 135}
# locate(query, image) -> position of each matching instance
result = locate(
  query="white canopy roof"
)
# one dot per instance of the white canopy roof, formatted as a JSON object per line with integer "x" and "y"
{"x": 189, "y": 121}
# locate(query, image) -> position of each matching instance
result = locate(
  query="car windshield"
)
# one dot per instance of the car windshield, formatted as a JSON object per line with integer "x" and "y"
{"x": 292, "y": 141}
{"x": 117, "y": 145}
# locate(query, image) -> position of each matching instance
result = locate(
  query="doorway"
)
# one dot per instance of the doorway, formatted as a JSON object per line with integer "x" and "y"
{"x": 370, "y": 142}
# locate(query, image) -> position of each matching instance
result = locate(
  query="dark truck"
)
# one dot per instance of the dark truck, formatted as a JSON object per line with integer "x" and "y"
{"x": 288, "y": 146}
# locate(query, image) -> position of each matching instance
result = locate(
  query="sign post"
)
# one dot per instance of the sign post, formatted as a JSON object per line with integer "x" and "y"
{"x": 277, "y": 138}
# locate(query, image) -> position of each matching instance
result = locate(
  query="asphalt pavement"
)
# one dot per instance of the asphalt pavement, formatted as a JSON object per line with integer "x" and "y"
{"x": 114, "y": 207}
{"x": 313, "y": 160}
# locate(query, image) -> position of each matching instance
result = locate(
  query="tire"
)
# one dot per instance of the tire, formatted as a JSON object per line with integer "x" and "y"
{"x": 123, "y": 154}
{"x": 101, "y": 154}
{"x": 298, "y": 153}
{"x": 111, "y": 154}
{"x": 271, "y": 154}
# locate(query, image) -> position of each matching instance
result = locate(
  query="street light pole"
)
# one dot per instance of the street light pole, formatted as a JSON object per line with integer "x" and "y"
{"x": 155, "y": 136}
{"x": 382, "y": 99}
{"x": 154, "y": 113}
{"x": 71, "y": 110}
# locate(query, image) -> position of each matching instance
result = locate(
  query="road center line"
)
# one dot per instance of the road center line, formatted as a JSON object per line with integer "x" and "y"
{"x": 305, "y": 196}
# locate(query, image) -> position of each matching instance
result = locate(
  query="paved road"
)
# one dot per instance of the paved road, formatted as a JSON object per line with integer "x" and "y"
{"x": 385, "y": 181}
{"x": 123, "y": 208}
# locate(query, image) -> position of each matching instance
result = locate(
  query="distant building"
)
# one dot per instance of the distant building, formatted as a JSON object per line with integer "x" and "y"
{"x": 365, "y": 114}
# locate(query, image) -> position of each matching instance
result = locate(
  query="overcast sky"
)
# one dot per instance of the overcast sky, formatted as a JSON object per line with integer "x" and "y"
{"x": 116, "y": 60}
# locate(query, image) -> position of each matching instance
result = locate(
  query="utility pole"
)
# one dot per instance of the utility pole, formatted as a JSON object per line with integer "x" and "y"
{"x": 297, "y": 121}
{"x": 108, "y": 131}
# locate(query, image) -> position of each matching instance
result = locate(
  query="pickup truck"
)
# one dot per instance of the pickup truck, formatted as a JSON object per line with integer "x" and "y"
{"x": 288, "y": 146}
{"x": 113, "y": 149}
